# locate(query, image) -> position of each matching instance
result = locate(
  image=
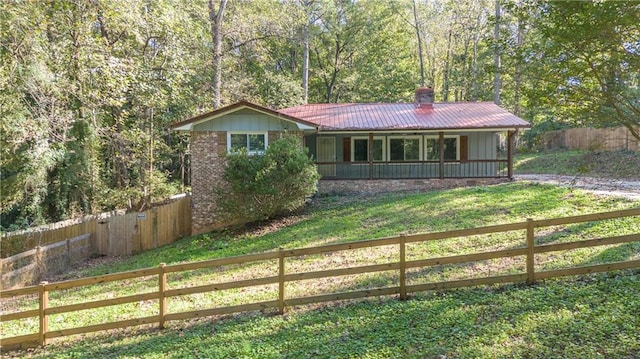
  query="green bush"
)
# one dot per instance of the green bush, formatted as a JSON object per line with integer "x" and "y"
{"x": 259, "y": 187}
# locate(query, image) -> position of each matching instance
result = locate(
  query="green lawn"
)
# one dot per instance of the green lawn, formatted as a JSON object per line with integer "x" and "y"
{"x": 594, "y": 316}
{"x": 619, "y": 164}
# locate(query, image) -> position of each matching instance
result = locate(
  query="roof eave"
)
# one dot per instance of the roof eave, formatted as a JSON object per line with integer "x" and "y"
{"x": 421, "y": 129}
{"x": 188, "y": 124}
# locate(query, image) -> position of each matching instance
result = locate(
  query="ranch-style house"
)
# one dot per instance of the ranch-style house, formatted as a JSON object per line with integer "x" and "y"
{"x": 360, "y": 147}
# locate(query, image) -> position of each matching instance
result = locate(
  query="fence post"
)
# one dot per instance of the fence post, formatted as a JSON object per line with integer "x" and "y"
{"x": 43, "y": 305}
{"x": 281, "y": 281}
{"x": 403, "y": 277}
{"x": 68, "y": 264}
{"x": 162, "y": 284}
{"x": 530, "y": 252}
{"x": 510, "y": 145}
{"x": 39, "y": 272}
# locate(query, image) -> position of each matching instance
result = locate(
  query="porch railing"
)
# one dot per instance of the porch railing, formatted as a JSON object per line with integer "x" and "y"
{"x": 415, "y": 170}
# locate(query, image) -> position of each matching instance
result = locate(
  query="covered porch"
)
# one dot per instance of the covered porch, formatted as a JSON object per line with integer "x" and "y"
{"x": 442, "y": 155}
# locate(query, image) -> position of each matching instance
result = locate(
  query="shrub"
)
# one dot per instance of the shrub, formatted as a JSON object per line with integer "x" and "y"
{"x": 259, "y": 187}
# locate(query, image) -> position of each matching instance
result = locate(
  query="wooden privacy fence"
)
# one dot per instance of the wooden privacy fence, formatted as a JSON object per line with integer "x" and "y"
{"x": 106, "y": 234}
{"x": 604, "y": 139}
{"x": 115, "y": 233}
{"x": 163, "y": 291}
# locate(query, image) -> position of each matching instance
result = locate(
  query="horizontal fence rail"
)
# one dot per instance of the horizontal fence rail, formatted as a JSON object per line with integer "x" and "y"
{"x": 163, "y": 290}
{"x": 52, "y": 259}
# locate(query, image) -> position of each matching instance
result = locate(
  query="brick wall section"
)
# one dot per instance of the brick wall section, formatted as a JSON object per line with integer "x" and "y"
{"x": 337, "y": 187}
{"x": 208, "y": 150}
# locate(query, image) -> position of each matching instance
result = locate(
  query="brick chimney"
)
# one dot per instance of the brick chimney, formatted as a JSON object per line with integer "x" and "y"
{"x": 424, "y": 98}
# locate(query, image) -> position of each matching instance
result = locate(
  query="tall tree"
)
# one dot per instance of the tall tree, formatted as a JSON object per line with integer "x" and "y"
{"x": 419, "y": 39}
{"x": 588, "y": 61}
{"x": 216, "y": 17}
{"x": 312, "y": 13}
{"x": 88, "y": 90}
{"x": 497, "y": 83}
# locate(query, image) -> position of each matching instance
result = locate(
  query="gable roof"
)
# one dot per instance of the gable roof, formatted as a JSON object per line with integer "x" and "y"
{"x": 187, "y": 125}
{"x": 406, "y": 116}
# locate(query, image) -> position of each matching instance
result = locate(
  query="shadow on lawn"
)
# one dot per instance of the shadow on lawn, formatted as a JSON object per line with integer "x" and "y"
{"x": 383, "y": 216}
{"x": 364, "y": 219}
{"x": 561, "y": 319}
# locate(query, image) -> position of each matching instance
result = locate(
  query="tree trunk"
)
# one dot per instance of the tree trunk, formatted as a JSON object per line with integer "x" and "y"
{"x": 305, "y": 64}
{"x": 474, "y": 67}
{"x": 518, "y": 70}
{"x": 496, "y": 59}
{"x": 415, "y": 18}
{"x": 216, "y": 33}
{"x": 447, "y": 61}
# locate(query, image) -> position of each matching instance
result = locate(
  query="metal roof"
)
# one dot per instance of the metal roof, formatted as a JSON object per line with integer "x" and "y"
{"x": 406, "y": 116}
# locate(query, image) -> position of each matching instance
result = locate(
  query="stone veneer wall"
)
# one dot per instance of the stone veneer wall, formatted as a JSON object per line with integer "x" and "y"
{"x": 208, "y": 149}
{"x": 334, "y": 187}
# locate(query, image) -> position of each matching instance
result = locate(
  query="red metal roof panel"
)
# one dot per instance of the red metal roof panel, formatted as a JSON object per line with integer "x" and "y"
{"x": 406, "y": 116}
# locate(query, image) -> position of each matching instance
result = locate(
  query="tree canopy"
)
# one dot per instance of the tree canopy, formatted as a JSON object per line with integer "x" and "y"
{"x": 88, "y": 88}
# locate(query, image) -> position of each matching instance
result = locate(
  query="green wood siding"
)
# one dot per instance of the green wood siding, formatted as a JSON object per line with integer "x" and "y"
{"x": 246, "y": 120}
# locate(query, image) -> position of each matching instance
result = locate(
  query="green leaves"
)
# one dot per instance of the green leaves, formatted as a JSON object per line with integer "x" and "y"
{"x": 258, "y": 187}
{"x": 586, "y": 62}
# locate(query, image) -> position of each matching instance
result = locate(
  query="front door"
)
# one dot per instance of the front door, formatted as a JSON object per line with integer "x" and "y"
{"x": 326, "y": 147}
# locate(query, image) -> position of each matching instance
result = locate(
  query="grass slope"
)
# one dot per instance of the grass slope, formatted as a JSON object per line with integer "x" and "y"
{"x": 620, "y": 164}
{"x": 594, "y": 316}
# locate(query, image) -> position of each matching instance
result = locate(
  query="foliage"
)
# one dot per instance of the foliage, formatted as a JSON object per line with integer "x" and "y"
{"x": 543, "y": 123}
{"x": 581, "y": 61}
{"x": 88, "y": 92}
{"x": 499, "y": 321}
{"x": 259, "y": 187}
{"x": 87, "y": 89}
{"x": 591, "y": 58}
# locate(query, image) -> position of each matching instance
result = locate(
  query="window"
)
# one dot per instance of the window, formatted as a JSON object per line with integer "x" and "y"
{"x": 404, "y": 148}
{"x": 451, "y": 148}
{"x": 360, "y": 149}
{"x": 253, "y": 142}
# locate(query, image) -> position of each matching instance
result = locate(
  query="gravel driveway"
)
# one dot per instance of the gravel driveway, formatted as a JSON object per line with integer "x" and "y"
{"x": 601, "y": 186}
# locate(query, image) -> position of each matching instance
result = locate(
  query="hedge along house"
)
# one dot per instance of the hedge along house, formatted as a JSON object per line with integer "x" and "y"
{"x": 364, "y": 147}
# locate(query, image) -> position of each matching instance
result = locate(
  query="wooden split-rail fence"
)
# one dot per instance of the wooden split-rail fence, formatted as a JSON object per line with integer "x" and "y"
{"x": 528, "y": 250}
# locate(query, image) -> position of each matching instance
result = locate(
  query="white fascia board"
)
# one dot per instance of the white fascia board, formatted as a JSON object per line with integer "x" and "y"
{"x": 187, "y": 127}
{"x": 302, "y": 126}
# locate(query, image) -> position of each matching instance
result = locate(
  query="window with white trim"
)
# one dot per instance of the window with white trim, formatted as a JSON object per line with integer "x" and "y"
{"x": 253, "y": 142}
{"x": 360, "y": 149}
{"x": 451, "y": 148}
{"x": 405, "y": 148}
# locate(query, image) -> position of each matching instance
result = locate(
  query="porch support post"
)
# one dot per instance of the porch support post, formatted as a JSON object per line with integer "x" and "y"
{"x": 510, "y": 139}
{"x": 441, "y": 153}
{"x": 370, "y": 155}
